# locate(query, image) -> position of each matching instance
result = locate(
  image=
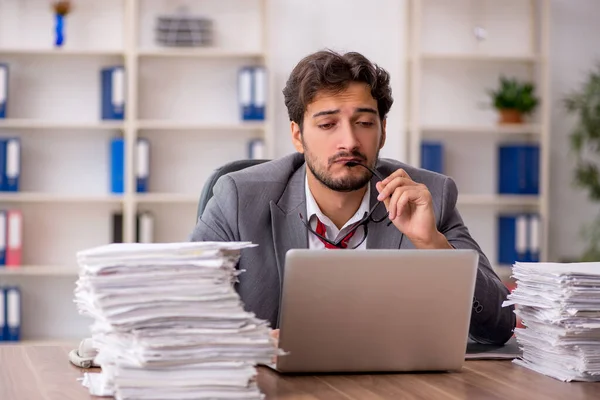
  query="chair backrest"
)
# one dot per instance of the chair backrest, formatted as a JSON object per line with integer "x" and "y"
{"x": 207, "y": 190}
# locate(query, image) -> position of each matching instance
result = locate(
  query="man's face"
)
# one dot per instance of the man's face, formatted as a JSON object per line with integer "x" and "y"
{"x": 339, "y": 128}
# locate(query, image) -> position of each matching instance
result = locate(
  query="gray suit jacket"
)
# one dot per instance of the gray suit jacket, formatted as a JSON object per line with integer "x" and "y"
{"x": 261, "y": 204}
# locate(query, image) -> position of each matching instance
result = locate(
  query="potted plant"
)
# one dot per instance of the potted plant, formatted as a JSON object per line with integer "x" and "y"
{"x": 584, "y": 104}
{"x": 513, "y": 100}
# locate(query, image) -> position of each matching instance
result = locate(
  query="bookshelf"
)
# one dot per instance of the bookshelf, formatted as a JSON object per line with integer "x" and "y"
{"x": 449, "y": 72}
{"x": 183, "y": 100}
{"x": 40, "y": 270}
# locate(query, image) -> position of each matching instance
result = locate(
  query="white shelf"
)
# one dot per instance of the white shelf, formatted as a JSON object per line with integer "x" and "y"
{"x": 40, "y": 124}
{"x": 167, "y": 198}
{"x": 45, "y": 342}
{"x": 213, "y": 53}
{"x": 498, "y": 200}
{"x": 191, "y": 126}
{"x": 520, "y": 58}
{"x": 38, "y": 270}
{"x": 508, "y": 129}
{"x": 32, "y": 197}
{"x": 61, "y": 52}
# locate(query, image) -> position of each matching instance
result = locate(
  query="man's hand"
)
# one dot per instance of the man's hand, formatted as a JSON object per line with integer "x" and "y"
{"x": 410, "y": 208}
{"x": 275, "y": 336}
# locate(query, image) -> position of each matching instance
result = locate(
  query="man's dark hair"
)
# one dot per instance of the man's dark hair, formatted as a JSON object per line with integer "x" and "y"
{"x": 332, "y": 72}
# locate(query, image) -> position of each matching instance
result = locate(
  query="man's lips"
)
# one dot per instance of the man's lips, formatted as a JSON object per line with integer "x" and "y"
{"x": 346, "y": 160}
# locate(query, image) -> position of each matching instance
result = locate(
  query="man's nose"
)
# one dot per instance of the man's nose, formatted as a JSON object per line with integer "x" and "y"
{"x": 348, "y": 139}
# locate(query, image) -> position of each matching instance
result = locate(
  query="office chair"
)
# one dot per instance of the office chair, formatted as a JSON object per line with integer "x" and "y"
{"x": 207, "y": 190}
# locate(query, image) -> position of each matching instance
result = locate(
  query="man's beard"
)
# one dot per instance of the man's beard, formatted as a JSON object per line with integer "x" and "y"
{"x": 345, "y": 184}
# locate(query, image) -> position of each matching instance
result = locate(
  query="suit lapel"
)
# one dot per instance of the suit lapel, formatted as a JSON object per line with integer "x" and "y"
{"x": 288, "y": 230}
{"x": 381, "y": 236}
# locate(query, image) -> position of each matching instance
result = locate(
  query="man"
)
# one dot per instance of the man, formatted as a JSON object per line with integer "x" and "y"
{"x": 321, "y": 196}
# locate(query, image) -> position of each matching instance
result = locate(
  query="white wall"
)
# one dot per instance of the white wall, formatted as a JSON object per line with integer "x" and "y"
{"x": 375, "y": 29}
{"x": 574, "y": 51}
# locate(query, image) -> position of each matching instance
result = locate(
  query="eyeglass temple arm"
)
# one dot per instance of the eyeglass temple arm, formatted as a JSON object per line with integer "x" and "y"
{"x": 374, "y": 172}
{"x": 313, "y": 231}
{"x": 378, "y": 175}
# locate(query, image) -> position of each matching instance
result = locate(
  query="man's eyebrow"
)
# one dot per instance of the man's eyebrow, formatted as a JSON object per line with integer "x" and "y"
{"x": 358, "y": 110}
{"x": 366, "y": 110}
{"x": 326, "y": 112}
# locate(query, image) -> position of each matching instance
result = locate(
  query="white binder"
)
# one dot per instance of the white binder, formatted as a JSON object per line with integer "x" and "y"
{"x": 146, "y": 227}
{"x": 3, "y": 238}
{"x": 259, "y": 99}
{"x": 142, "y": 169}
{"x": 118, "y": 88}
{"x": 3, "y": 330}
{"x": 521, "y": 236}
{"x": 3, "y": 89}
{"x": 245, "y": 93}
{"x": 13, "y": 164}
{"x": 256, "y": 149}
{"x": 13, "y": 314}
{"x": 534, "y": 238}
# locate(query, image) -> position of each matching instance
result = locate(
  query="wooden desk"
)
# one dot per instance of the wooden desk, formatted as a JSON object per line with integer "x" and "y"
{"x": 44, "y": 372}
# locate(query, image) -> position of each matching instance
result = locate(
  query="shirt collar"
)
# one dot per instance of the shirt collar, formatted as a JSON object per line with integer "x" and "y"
{"x": 313, "y": 210}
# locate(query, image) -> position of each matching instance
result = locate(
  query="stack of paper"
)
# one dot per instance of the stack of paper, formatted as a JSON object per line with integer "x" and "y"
{"x": 168, "y": 323}
{"x": 560, "y": 308}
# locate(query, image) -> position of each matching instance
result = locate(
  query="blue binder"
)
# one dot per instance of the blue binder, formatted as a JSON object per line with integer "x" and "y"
{"x": 117, "y": 165}
{"x": 12, "y": 168}
{"x": 3, "y": 90}
{"x": 245, "y": 78}
{"x": 13, "y": 313}
{"x": 259, "y": 93}
{"x": 3, "y": 237}
{"x": 432, "y": 156}
{"x": 113, "y": 93}
{"x": 142, "y": 165}
{"x": 533, "y": 170}
{"x": 518, "y": 169}
{"x": 512, "y": 238}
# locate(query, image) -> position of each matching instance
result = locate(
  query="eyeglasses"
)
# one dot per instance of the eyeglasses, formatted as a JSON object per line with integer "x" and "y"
{"x": 363, "y": 222}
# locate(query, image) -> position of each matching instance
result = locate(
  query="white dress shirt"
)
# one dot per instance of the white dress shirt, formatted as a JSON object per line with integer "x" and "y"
{"x": 332, "y": 232}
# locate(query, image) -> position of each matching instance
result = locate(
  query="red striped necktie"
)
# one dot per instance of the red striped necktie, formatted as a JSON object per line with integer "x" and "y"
{"x": 321, "y": 230}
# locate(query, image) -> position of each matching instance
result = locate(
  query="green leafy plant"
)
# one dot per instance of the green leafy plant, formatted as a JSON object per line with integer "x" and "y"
{"x": 514, "y": 95}
{"x": 584, "y": 104}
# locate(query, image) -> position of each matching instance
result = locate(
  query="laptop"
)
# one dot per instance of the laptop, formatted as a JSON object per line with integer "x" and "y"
{"x": 375, "y": 310}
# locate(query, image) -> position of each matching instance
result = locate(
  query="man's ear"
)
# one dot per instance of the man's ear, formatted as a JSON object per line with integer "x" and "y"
{"x": 297, "y": 137}
{"x": 383, "y": 133}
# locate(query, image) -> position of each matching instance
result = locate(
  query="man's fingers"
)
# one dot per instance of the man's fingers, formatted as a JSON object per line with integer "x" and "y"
{"x": 387, "y": 189}
{"x": 407, "y": 196}
{"x": 275, "y": 335}
{"x": 400, "y": 199}
{"x": 398, "y": 173}
{"x": 393, "y": 201}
